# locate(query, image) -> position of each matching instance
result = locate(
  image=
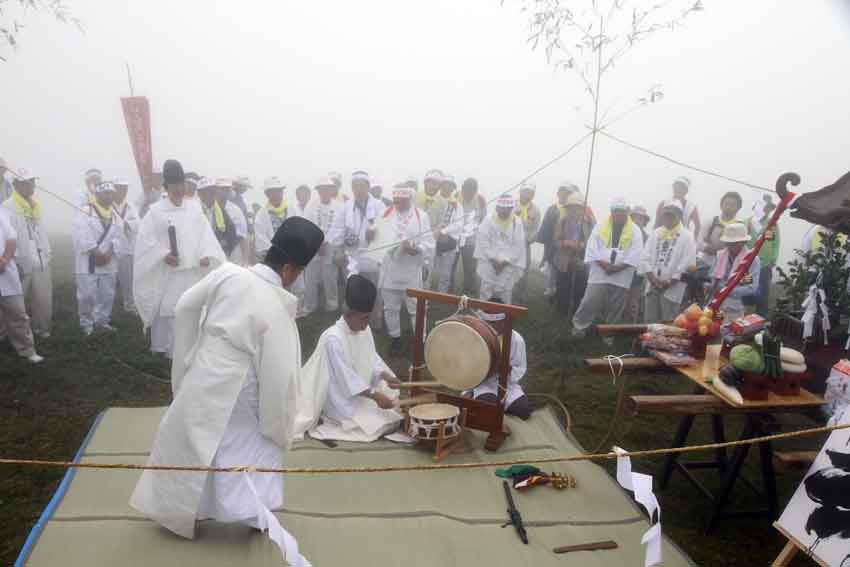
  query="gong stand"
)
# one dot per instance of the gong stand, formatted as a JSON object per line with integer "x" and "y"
{"x": 480, "y": 415}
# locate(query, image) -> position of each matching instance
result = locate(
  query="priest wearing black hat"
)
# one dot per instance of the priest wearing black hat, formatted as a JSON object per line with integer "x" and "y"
{"x": 348, "y": 392}
{"x": 235, "y": 378}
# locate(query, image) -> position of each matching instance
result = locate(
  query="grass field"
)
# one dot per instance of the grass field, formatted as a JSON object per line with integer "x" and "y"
{"x": 45, "y": 412}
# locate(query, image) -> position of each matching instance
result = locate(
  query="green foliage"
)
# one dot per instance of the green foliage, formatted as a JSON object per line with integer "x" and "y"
{"x": 830, "y": 263}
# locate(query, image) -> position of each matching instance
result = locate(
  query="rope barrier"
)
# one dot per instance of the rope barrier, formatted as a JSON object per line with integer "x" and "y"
{"x": 683, "y": 164}
{"x": 432, "y": 467}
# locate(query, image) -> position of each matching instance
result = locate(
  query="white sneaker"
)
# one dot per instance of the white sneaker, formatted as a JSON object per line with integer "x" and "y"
{"x": 35, "y": 359}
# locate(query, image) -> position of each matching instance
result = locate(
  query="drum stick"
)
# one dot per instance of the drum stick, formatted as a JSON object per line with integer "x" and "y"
{"x": 587, "y": 546}
{"x": 415, "y": 401}
{"x": 422, "y": 384}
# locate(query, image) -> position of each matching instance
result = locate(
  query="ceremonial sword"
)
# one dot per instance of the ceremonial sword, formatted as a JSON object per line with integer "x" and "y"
{"x": 513, "y": 515}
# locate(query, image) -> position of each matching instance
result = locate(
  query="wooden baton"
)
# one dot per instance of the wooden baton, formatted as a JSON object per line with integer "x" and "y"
{"x": 587, "y": 546}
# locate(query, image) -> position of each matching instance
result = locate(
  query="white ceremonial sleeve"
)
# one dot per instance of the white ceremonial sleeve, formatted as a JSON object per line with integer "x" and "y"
{"x": 687, "y": 256}
{"x": 279, "y": 373}
{"x": 342, "y": 373}
{"x": 85, "y": 240}
{"x": 519, "y": 246}
{"x": 240, "y": 223}
{"x": 484, "y": 250}
{"x": 518, "y": 359}
{"x": 187, "y": 327}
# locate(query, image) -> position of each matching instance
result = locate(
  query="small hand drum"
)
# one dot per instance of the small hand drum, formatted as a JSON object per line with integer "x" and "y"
{"x": 462, "y": 351}
{"x": 425, "y": 420}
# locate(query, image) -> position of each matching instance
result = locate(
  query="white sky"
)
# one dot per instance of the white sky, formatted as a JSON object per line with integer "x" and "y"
{"x": 295, "y": 89}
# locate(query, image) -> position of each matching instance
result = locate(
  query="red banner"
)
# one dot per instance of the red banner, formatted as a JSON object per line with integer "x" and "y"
{"x": 137, "y": 115}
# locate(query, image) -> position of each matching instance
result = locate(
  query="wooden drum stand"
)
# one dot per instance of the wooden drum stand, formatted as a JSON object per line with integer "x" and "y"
{"x": 480, "y": 415}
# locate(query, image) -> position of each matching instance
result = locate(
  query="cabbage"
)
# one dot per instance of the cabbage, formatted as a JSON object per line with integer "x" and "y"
{"x": 747, "y": 358}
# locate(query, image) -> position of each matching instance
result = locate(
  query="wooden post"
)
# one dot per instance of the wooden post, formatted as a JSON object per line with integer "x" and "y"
{"x": 785, "y": 556}
{"x": 418, "y": 354}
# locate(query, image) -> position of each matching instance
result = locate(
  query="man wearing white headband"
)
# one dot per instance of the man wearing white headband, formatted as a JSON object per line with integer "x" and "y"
{"x": 33, "y": 253}
{"x": 669, "y": 252}
{"x": 97, "y": 234}
{"x": 126, "y": 213}
{"x": 516, "y": 402}
{"x": 352, "y": 233}
{"x": 322, "y": 273}
{"x": 13, "y": 313}
{"x": 447, "y": 234}
{"x": 500, "y": 250}
{"x": 410, "y": 248}
{"x": 175, "y": 249}
{"x": 613, "y": 253}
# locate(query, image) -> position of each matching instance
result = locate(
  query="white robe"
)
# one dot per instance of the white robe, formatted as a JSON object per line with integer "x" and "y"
{"x": 519, "y": 365}
{"x": 669, "y": 265}
{"x": 344, "y": 365}
{"x": 494, "y": 243}
{"x": 156, "y": 285}
{"x": 235, "y": 323}
{"x": 33, "y": 250}
{"x": 598, "y": 250}
{"x": 400, "y": 270}
{"x": 90, "y": 234}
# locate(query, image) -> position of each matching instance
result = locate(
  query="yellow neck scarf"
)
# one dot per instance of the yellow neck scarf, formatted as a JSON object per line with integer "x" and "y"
{"x": 500, "y": 222}
{"x": 451, "y": 199}
{"x": 727, "y": 222}
{"x": 562, "y": 211}
{"x": 606, "y": 232}
{"x": 522, "y": 211}
{"x": 29, "y": 209}
{"x": 218, "y": 216}
{"x": 426, "y": 201}
{"x": 670, "y": 233}
{"x": 280, "y": 211}
{"x": 105, "y": 214}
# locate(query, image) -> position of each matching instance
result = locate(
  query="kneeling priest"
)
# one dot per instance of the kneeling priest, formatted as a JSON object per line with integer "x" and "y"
{"x": 347, "y": 391}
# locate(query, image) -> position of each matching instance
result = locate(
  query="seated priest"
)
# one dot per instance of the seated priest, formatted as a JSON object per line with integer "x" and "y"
{"x": 347, "y": 392}
{"x": 735, "y": 238}
{"x": 515, "y": 400}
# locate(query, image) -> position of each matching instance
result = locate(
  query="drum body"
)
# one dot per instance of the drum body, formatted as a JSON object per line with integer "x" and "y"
{"x": 462, "y": 351}
{"x": 424, "y": 421}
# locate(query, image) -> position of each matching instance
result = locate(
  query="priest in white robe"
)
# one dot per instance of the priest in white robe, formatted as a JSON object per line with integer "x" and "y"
{"x": 516, "y": 403}
{"x": 162, "y": 272}
{"x": 126, "y": 213}
{"x": 348, "y": 392}
{"x": 447, "y": 234}
{"x": 404, "y": 238}
{"x": 96, "y": 236}
{"x": 669, "y": 252}
{"x": 235, "y": 379}
{"x": 500, "y": 251}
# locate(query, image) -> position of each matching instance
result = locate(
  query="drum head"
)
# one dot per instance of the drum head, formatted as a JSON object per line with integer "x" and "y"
{"x": 457, "y": 356}
{"x": 434, "y": 411}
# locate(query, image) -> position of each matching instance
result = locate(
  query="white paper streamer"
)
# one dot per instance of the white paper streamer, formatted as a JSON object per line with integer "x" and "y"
{"x": 641, "y": 485}
{"x": 810, "y": 306}
{"x": 267, "y": 521}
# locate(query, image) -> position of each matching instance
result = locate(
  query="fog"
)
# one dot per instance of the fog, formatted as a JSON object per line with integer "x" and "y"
{"x": 296, "y": 89}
